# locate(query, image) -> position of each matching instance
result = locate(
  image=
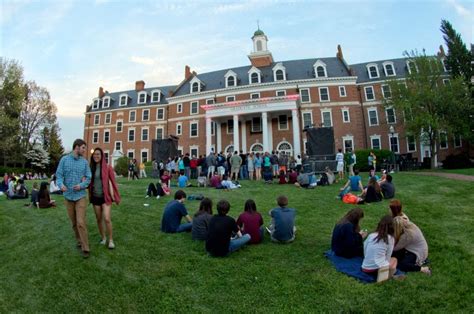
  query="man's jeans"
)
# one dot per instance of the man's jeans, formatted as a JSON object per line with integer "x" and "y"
{"x": 184, "y": 227}
{"x": 237, "y": 243}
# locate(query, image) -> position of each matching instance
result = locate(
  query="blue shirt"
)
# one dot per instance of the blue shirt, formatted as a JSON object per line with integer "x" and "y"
{"x": 355, "y": 182}
{"x": 172, "y": 215}
{"x": 71, "y": 171}
{"x": 182, "y": 181}
{"x": 284, "y": 222}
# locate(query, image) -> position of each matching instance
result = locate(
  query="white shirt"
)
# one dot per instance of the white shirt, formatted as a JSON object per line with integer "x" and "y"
{"x": 53, "y": 187}
{"x": 340, "y": 157}
{"x": 377, "y": 254}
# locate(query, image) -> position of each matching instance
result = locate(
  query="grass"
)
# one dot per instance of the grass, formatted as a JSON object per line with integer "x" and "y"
{"x": 467, "y": 171}
{"x": 41, "y": 270}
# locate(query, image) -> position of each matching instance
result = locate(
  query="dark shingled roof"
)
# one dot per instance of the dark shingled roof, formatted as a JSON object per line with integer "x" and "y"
{"x": 295, "y": 70}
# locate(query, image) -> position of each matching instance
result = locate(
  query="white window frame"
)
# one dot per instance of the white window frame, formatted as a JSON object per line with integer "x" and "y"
{"x": 147, "y": 132}
{"x": 376, "y": 116}
{"x": 329, "y": 97}
{"x": 97, "y": 119}
{"x": 134, "y": 134}
{"x": 130, "y": 115}
{"x": 192, "y": 82}
{"x": 280, "y": 91}
{"x": 279, "y": 123}
{"x": 443, "y": 60}
{"x": 394, "y": 115}
{"x": 179, "y": 108}
{"x": 311, "y": 118}
{"x": 228, "y": 126}
{"x": 445, "y": 134}
{"x": 373, "y": 65}
{"x": 460, "y": 141}
{"x": 95, "y": 137}
{"x": 210, "y": 101}
{"x": 228, "y": 75}
{"x": 408, "y": 143}
{"x": 317, "y": 64}
{"x": 191, "y": 107}
{"x": 115, "y": 146}
{"x": 139, "y": 95}
{"x": 131, "y": 150}
{"x": 143, "y": 114}
{"x": 121, "y": 126}
{"x": 108, "y": 102}
{"x": 408, "y": 66}
{"x": 179, "y": 128}
{"x": 348, "y": 115}
{"x": 252, "y": 125}
{"x": 446, "y": 81}
{"x": 385, "y": 68}
{"x": 107, "y": 156}
{"x": 366, "y": 88}
{"x": 347, "y": 138}
{"x": 279, "y": 66}
{"x": 383, "y": 91}
{"x": 157, "y": 113}
{"x": 196, "y": 147}
{"x": 153, "y": 92}
{"x": 230, "y": 98}
{"x": 344, "y": 93}
{"x": 390, "y": 136}
{"x": 254, "y": 94}
{"x": 104, "y": 139}
{"x": 180, "y": 150}
{"x": 258, "y": 72}
{"x": 95, "y": 103}
{"x": 191, "y": 123}
{"x": 162, "y": 132}
{"x": 109, "y": 116}
{"x": 372, "y": 138}
{"x": 323, "y": 111}
{"x": 144, "y": 150}
{"x": 120, "y": 100}
{"x": 301, "y": 95}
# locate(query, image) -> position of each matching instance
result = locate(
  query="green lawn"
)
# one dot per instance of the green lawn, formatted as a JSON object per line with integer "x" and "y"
{"x": 467, "y": 171}
{"x": 42, "y": 271}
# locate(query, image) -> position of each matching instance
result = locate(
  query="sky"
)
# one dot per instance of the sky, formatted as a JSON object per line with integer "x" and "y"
{"x": 74, "y": 47}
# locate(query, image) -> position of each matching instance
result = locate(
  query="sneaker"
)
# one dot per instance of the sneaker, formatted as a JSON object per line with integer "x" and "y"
{"x": 157, "y": 197}
{"x": 111, "y": 245}
{"x": 85, "y": 254}
{"x": 103, "y": 241}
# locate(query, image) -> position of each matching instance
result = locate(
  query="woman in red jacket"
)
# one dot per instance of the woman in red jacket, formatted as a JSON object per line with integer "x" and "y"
{"x": 102, "y": 192}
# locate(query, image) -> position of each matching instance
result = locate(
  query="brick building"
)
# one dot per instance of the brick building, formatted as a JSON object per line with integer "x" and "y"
{"x": 263, "y": 106}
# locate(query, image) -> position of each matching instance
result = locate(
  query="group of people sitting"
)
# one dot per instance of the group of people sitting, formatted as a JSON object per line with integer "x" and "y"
{"x": 396, "y": 243}
{"x": 15, "y": 188}
{"x": 222, "y": 233}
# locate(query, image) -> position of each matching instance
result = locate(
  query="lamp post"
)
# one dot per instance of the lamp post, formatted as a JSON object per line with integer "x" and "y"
{"x": 391, "y": 130}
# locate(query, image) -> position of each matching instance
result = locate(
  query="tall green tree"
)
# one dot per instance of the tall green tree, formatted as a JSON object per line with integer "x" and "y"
{"x": 430, "y": 105}
{"x": 52, "y": 144}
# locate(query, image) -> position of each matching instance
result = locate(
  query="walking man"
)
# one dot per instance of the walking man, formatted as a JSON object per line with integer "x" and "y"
{"x": 73, "y": 177}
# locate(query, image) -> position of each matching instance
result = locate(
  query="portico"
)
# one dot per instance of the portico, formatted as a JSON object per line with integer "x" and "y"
{"x": 241, "y": 111}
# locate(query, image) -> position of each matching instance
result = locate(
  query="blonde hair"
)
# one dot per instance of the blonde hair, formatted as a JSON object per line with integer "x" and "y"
{"x": 400, "y": 225}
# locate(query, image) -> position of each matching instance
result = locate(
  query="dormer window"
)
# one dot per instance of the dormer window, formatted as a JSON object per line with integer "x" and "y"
{"x": 142, "y": 97}
{"x": 106, "y": 102}
{"x": 230, "y": 79}
{"x": 411, "y": 66}
{"x": 254, "y": 75}
{"x": 373, "y": 70}
{"x": 156, "y": 96}
{"x": 96, "y": 103}
{"x": 320, "y": 69}
{"x": 279, "y": 72}
{"x": 389, "y": 69}
{"x": 123, "y": 100}
{"x": 196, "y": 85}
{"x": 445, "y": 65}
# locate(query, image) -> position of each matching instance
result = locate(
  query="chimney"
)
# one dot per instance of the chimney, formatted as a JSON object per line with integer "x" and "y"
{"x": 339, "y": 53}
{"x": 441, "y": 53}
{"x": 139, "y": 85}
{"x": 101, "y": 92}
{"x": 187, "y": 72}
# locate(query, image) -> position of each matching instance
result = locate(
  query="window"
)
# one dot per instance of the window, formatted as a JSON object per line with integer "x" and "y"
{"x": 304, "y": 94}
{"x": 342, "y": 91}
{"x": 326, "y": 118}
{"x": 443, "y": 140}
{"x": 194, "y": 151}
{"x": 106, "y": 136}
{"x": 369, "y": 93}
{"x": 194, "y": 107}
{"x": 348, "y": 143}
{"x": 159, "y": 133}
{"x": 155, "y": 96}
{"x": 373, "y": 71}
{"x": 210, "y": 101}
{"x": 131, "y": 154}
{"x": 144, "y": 134}
{"x": 106, "y": 102}
{"x": 180, "y": 150}
{"x": 320, "y": 72}
{"x": 386, "y": 91}
{"x": 132, "y": 116}
{"x": 255, "y": 96}
{"x": 446, "y": 81}
{"x": 307, "y": 120}
{"x": 145, "y": 114}
{"x": 95, "y": 104}
{"x": 390, "y": 113}
{"x": 144, "y": 156}
{"x": 131, "y": 135}
{"x": 389, "y": 69}
{"x": 230, "y": 98}
{"x": 411, "y": 66}
{"x": 108, "y": 118}
{"x": 319, "y": 68}
{"x": 457, "y": 140}
{"x": 373, "y": 117}
{"x": 160, "y": 114}
{"x": 142, "y": 97}
{"x": 375, "y": 142}
{"x": 119, "y": 126}
{"x": 346, "y": 118}
{"x": 411, "y": 143}
{"x": 256, "y": 124}
{"x": 280, "y": 93}
{"x": 179, "y": 108}
{"x": 279, "y": 75}
{"x": 230, "y": 126}
{"x": 282, "y": 122}
{"x": 254, "y": 78}
{"x": 106, "y": 156}
{"x": 195, "y": 87}
{"x": 231, "y": 81}
{"x": 323, "y": 94}
{"x": 259, "y": 45}
{"x": 213, "y": 128}
{"x": 95, "y": 137}
{"x": 446, "y": 65}
{"x": 193, "y": 129}
{"x": 123, "y": 100}
{"x": 393, "y": 142}
{"x": 96, "y": 119}
{"x": 179, "y": 129}
{"x": 118, "y": 146}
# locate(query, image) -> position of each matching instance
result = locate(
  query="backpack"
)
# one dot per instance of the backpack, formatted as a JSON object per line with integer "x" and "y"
{"x": 350, "y": 198}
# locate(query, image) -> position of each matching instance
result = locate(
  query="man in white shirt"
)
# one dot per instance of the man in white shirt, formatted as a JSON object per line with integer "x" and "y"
{"x": 340, "y": 164}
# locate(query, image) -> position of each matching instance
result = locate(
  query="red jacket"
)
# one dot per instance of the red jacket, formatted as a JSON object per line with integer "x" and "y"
{"x": 108, "y": 175}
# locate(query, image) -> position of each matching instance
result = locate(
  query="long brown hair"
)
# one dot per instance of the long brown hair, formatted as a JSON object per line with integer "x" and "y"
{"x": 353, "y": 216}
{"x": 94, "y": 164}
{"x": 396, "y": 208}
{"x": 204, "y": 207}
{"x": 384, "y": 229}
{"x": 373, "y": 182}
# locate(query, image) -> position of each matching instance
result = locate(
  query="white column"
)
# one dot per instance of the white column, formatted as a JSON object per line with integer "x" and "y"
{"x": 270, "y": 133}
{"x": 236, "y": 133}
{"x": 296, "y": 132}
{"x": 208, "y": 135}
{"x": 265, "y": 131}
{"x": 218, "y": 138}
{"x": 244, "y": 137}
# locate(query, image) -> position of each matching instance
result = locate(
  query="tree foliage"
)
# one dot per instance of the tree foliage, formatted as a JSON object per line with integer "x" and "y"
{"x": 52, "y": 143}
{"x": 37, "y": 157}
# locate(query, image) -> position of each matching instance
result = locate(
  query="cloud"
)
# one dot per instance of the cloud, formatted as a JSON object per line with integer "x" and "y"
{"x": 460, "y": 9}
{"x": 51, "y": 16}
{"x": 142, "y": 60}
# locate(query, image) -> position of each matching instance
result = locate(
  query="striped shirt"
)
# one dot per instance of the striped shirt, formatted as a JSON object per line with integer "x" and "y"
{"x": 73, "y": 171}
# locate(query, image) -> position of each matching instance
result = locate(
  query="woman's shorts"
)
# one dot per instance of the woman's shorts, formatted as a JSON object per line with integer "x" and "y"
{"x": 340, "y": 166}
{"x": 98, "y": 201}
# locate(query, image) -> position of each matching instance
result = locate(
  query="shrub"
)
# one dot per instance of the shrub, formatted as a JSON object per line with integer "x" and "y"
{"x": 363, "y": 154}
{"x": 457, "y": 162}
{"x": 121, "y": 166}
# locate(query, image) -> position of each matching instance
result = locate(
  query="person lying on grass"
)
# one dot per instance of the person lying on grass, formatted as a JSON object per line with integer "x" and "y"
{"x": 347, "y": 238}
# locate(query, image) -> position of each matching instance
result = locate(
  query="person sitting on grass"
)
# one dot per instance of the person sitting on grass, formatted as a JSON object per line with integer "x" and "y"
{"x": 158, "y": 190}
{"x": 372, "y": 193}
{"x": 166, "y": 178}
{"x": 282, "y": 228}
{"x": 292, "y": 176}
{"x": 396, "y": 209}
{"x": 373, "y": 174}
{"x": 378, "y": 247}
{"x": 251, "y": 222}
{"x": 282, "y": 177}
{"x": 354, "y": 184}
{"x": 174, "y": 211}
{"x": 44, "y": 199}
{"x": 215, "y": 181}
{"x": 221, "y": 228}
{"x": 201, "y": 220}
{"x": 347, "y": 238}
{"x": 34, "y": 195}
{"x": 183, "y": 180}
{"x": 228, "y": 184}
{"x": 411, "y": 249}
{"x": 19, "y": 191}
{"x": 53, "y": 186}
{"x": 387, "y": 187}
